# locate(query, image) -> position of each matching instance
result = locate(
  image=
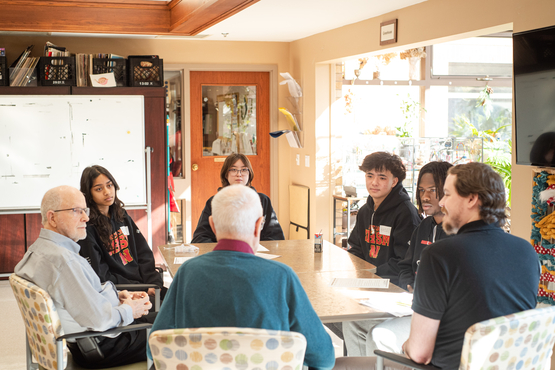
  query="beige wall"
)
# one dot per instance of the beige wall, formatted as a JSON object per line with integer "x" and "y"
{"x": 421, "y": 24}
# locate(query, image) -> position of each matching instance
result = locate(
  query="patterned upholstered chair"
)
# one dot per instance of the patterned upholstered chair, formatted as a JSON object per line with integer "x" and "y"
{"x": 233, "y": 348}
{"x": 46, "y": 341}
{"x": 519, "y": 341}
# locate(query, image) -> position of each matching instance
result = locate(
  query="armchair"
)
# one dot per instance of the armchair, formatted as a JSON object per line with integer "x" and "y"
{"x": 46, "y": 341}
{"x": 523, "y": 340}
{"x": 219, "y": 348}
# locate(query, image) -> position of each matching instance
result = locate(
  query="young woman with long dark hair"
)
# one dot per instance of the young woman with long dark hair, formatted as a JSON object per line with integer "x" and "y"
{"x": 237, "y": 169}
{"x": 115, "y": 247}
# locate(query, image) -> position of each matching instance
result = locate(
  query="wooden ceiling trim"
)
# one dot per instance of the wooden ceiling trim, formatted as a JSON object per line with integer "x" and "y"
{"x": 178, "y": 17}
{"x": 193, "y": 17}
{"x": 124, "y": 4}
{"x": 27, "y": 18}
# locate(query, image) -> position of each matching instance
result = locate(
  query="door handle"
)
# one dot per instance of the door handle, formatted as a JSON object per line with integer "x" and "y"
{"x": 195, "y": 167}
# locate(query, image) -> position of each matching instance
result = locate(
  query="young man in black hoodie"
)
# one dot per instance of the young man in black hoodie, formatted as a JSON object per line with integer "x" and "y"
{"x": 382, "y": 231}
{"x": 385, "y": 223}
{"x": 429, "y": 191}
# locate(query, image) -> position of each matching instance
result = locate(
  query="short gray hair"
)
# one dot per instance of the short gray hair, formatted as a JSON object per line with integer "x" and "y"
{"x": 235, "y": 210}
{"x": 52, "y": 200}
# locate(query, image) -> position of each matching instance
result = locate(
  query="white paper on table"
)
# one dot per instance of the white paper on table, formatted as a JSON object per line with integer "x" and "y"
{"x": 397, "y": 304}
{"x": 180, "y": 260}
{"x": 360, "y": 283}
{"x": 262, "y": 248}
{"x": 267, "y": 256}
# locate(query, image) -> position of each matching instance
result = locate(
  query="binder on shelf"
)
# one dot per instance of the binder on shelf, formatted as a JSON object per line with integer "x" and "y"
{"x": 4, "y": 81}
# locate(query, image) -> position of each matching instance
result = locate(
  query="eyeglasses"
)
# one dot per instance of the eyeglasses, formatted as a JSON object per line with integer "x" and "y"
{"x": 235, "y": 171}
{"x": 76, "y": 211}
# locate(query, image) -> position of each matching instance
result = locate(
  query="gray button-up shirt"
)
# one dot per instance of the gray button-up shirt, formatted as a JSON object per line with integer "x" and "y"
{"x": 83, "y": 303}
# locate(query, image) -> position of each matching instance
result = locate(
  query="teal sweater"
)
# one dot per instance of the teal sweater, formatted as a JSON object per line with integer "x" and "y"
{"x": 229, "y": 288}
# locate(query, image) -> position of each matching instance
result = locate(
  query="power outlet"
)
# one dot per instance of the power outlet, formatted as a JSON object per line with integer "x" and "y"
{"x": 307, "y": 161}
{"x": 298, "y": 159}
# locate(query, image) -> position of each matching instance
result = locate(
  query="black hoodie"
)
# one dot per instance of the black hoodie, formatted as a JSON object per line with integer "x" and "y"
{"x": 132, "y": 261}
{"x": 271, "y": 230}
{"x": 425, "y": 234}
{"x": 383, "y": 239}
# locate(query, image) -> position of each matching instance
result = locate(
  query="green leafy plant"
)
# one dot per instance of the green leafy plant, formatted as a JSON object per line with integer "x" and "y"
{"x": 494, "y": 127}
{"x": 410, "y": 110}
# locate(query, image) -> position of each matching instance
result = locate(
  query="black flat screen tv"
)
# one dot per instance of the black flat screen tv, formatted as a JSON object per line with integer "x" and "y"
{"x": 534, "y": 93}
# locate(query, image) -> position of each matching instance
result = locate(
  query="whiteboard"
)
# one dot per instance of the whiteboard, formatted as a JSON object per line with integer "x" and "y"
{"x": 48, "y": 140}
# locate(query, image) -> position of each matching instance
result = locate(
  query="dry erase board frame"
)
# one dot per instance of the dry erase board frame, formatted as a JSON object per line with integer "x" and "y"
{"x": 47, "y": 140}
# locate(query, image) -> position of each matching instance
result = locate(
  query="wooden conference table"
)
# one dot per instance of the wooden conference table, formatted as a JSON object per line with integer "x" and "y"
{"x": 315, "y": 271}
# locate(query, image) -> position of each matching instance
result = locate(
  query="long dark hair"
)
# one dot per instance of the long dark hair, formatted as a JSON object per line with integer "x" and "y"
{"x": 230, "y": 161}
{"x": 439, "y": 172}
{"x": 102, "y": 223}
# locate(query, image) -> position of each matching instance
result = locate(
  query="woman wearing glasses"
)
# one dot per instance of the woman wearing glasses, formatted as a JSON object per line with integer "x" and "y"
{"x": 237, "y": 169}
{"x": 115, "y": 247}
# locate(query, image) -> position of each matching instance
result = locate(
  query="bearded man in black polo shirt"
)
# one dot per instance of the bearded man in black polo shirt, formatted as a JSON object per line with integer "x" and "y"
{"x": 478, "y": 274}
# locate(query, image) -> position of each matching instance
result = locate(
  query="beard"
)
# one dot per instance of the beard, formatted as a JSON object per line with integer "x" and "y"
{"x": 449, "y": 228}
{"x": 451, "y": 223}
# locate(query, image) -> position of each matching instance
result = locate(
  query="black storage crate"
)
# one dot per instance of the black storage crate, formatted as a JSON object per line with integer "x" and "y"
{"x": 4, "y": 79}
{"x": 57, "y": 71}
{"x": 107, "y": 65}
{"x": 145, "y": 71}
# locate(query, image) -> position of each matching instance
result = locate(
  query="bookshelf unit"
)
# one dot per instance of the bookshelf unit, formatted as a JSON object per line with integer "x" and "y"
{"x": 19, "y": 231}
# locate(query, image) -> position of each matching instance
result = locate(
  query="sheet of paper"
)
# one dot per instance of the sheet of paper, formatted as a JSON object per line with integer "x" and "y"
{"x": 262, "y": 248}
{"x": 103, "y": 80}
{"x": 180, "y": 260}
{"x": 267, "y": 256}
{"x": 397, "y": 304}
{"x": 360, "y": 283}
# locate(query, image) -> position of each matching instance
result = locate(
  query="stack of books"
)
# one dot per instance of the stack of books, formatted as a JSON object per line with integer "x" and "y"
{"x": 51, "y": 50}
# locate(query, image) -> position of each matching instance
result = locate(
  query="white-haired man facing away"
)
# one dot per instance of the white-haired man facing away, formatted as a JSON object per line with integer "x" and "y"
{"x": 230, "y": 286}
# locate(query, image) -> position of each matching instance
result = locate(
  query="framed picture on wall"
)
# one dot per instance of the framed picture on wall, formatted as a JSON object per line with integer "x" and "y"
{"x": 388, "y": 32}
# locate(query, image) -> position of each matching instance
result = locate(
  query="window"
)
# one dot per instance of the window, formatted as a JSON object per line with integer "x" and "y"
{"x": 455, "y": 89}
{"x": 473, "y": 57}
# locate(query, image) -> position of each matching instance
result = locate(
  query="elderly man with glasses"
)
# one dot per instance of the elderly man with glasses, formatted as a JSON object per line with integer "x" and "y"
{"x": 83, "y": 303}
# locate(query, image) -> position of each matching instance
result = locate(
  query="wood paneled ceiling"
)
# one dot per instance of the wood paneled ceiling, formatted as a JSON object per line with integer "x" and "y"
{"x": 139, "y": 17}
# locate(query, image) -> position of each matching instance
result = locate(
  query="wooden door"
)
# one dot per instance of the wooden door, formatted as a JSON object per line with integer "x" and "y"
{"x": 209, "y": 130}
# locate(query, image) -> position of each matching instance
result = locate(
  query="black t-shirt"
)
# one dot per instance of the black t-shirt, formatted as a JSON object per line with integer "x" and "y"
{"x": 479, "y": 274}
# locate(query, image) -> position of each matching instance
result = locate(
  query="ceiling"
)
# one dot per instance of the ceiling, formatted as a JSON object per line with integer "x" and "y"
{"x": 236, "y": 20}
{"x": 290, "y": 20}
